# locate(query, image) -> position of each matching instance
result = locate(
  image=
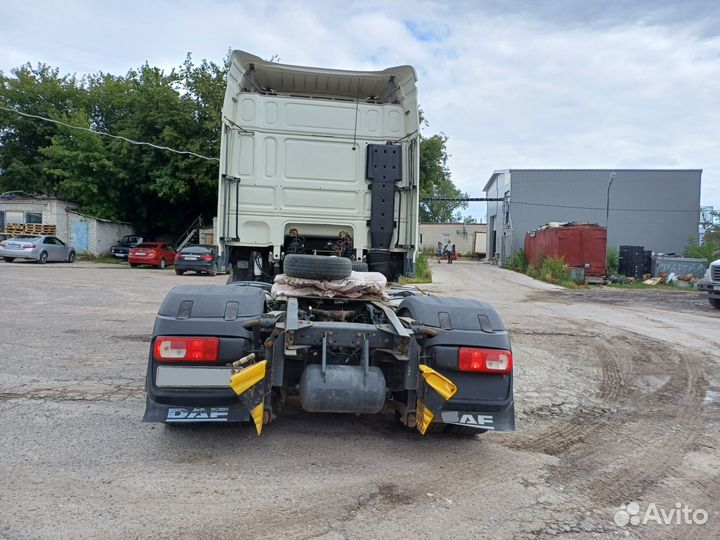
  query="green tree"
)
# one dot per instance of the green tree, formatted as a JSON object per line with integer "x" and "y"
{"x": 435, "y": 181}
{"x": 158, "y": 191}
{"x": 709, "y": 249}
{"x": 39, "y": 90}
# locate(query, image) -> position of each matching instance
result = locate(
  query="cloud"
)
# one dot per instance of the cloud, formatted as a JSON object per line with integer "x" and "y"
{"x": 544, "y": 84}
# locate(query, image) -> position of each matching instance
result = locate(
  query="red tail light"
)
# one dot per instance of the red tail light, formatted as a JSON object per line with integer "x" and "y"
{"x": 28, "y": 246}
{"x": 207, "y": 257}
{"x": 151, "y": 253}
{"x": 186, "y": 349}
{"x": 178, "y": 257}
{"x": 484, "y": 360}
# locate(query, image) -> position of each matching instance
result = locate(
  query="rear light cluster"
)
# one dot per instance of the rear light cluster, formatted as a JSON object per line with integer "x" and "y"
{"x": 186, "y": 349}
{"x": 207, "y": 257}
{"x": 485, "y": 360}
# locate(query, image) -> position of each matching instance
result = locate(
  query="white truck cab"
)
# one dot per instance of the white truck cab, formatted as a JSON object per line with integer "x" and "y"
{"x": 711, "y": 284}
{"x": 317, "y": 161}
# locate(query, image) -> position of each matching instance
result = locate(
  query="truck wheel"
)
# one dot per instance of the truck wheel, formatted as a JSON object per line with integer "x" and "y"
{"x": 714, "y": 302}
{"x": 317, "y": 267}
{"x": 359, "y": 266}
{"x": 463, "y": 431}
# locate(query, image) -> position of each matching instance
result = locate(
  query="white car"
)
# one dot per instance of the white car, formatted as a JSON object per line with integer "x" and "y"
{"x": 40, "y": 248}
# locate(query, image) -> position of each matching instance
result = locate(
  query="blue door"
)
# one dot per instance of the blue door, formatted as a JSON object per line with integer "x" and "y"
{"x": 79, "y": 236}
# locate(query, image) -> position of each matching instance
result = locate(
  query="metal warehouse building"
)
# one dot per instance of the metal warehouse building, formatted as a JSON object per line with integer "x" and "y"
{"x": 657, "y": 209}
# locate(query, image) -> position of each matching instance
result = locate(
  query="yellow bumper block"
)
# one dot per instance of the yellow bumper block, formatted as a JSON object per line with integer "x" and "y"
{"x": 424, "y": 418}
{"x": 442, "y": 385}
{"x": 247, "y": 378}
{"x": 257, "y": 416}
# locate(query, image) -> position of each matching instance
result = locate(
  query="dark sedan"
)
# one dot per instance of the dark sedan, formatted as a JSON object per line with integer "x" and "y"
{"x": 197, "y": 258}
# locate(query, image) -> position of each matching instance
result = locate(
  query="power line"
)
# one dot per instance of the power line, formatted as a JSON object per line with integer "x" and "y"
{"x": 527, "y": 203}
{"x": 464, "y": 199}
{"x": 104, "y": 134}
{"x": 510, "y": 202}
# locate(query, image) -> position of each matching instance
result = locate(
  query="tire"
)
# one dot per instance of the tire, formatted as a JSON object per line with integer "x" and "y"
{"x": 179, "y": 272}
{"x": 42, "y": 259}
{"x": 71, "y": 257}
{"x": 133, "y": 265}
{"x": 8, "y": 259}
{"x": 463, "y": 431}
{"x": 213, "y": 270}
{"x": 359, "y": 266}
{"x": 714, "y": 302}
{"x": 162, "y": 264}
{"x": 317, "y": 267}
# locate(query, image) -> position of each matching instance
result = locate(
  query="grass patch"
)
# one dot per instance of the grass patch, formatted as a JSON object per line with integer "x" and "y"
{"x": 423, "y": 273}
{"x": 660, "y": 286}
{"x": 612, "y": 260}
{"x": 518, "y": 262}
{"x": 101, "y": 259}
{"x": 549, "y": 269}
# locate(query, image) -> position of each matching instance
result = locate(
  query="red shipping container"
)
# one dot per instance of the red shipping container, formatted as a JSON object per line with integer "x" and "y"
{"x": 578, "y": 243}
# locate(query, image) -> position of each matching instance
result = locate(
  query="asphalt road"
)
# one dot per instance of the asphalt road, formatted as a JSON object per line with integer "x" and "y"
{"x": 617, "y": 402}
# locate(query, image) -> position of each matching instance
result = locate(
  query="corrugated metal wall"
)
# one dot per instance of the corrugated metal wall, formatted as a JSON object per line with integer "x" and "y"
{"x": 658, "y": 209}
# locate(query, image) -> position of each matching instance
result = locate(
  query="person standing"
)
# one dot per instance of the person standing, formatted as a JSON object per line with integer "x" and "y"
{"x": 451, "y": 251}
{"x": 439, "y": 251}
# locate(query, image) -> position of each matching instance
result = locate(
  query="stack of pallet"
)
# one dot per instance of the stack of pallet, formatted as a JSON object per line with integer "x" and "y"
{"x": 37, "y": 228}
{"x": 30, "y": 228}
{"x": 15, "y": 228}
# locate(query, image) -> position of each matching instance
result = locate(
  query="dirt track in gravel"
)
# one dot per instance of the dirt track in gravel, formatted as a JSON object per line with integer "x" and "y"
{"x": 617, "y": 401}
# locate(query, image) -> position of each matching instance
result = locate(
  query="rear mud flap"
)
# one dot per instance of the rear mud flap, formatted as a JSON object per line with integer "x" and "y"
{"x": 247, "y": 383}
{"x": 175, "y": 414}
{"x": 503, "y": 420}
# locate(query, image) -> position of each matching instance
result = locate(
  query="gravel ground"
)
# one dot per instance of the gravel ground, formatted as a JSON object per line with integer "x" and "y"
{"x": 616, "y": 402}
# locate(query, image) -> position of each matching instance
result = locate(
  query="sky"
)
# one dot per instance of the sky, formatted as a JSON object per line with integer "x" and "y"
{"x": 521, "y": 84}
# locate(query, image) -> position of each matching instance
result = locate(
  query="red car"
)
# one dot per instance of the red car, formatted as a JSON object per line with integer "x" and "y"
{"x": 152, "y": 254}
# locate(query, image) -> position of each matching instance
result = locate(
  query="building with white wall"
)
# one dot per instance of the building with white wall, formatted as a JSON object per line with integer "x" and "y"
{"x": 85, "y": 233}
{"x": 463, "y": 234}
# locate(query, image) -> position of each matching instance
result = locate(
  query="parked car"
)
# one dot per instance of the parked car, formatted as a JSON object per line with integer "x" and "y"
{"x": 40, "y": 248}
{"x": 157, "y": 254}
{"x": 197, "y": 258}
{"x": 122, "y": 248}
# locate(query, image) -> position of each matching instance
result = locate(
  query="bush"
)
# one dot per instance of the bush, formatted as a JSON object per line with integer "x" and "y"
{"x": 612, "y": 260}
{"x": 423, "y": 274}
{"x": 553, "y": 270}
{"x": 518, "y": 262}
{"x": 708, "y": 250}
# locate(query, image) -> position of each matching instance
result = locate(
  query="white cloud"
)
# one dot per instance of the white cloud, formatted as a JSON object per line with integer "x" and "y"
{"x": 541, "y": 85}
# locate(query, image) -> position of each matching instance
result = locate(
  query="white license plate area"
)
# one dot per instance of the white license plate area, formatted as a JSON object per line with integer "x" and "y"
{"x": 192, "y": 377}
{"x": 190, "y": 258}
{"x": 118, "y": 255}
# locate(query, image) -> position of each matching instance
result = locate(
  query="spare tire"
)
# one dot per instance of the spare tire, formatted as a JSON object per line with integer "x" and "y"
{"x": 359, "y": 266}
{"x": 317, "y": 267}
